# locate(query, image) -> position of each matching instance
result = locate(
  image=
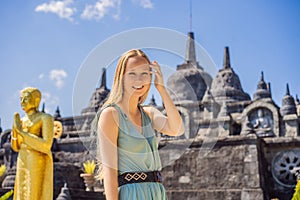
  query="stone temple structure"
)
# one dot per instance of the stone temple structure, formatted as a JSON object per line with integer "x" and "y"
{"x": 234, "y": 146}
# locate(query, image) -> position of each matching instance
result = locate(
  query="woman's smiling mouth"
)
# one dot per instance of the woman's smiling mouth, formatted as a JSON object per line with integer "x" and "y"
{"x": 138, "y": 87}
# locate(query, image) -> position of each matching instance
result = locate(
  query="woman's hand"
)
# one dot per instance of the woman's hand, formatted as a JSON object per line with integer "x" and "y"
{"x": 171, "y": 124}
{"x": 158, "y": 78}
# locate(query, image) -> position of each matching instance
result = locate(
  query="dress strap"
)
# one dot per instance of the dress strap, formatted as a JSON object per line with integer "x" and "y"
{"x": 120, "y": 111}
{"x": 145, "y": 116}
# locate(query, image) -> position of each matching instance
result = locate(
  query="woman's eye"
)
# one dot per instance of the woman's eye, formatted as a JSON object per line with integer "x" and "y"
{"x": 145, "y": 74}
{"x": 131, "y": 74}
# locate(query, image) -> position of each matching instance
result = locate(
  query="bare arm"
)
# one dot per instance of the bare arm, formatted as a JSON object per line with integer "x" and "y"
{"x": 171, "y": 124}
{"x": 42, "y": 144}
{"x": 108, "y": 137}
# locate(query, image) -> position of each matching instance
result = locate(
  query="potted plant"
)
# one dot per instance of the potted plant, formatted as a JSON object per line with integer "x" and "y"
{"x": 88, "y": 175}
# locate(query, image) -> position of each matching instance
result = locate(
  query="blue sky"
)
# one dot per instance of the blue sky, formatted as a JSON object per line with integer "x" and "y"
{"x": 45, "y": 43}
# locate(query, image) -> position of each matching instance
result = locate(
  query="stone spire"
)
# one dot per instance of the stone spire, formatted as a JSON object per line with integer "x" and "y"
{"x": 190, "y": 55}
{"x": 287, "y": 90}
{"x": 64, "y": 193}
{"x": 262, "y": 91}
{"x": 98, "y": 97}
{"x": 226, "y": 61}
{"x": 262, "y": 84}
{"x": 152, "y": 101}
{"x": 57, "y": 115}
{"x": 269, "y": 88}
{"x": 43, "y": 108}
{"x": 226, "y": 86}
{"x": 103, "y": 79}
{"x": 297, "y": 101}
{"x": 190, "y": 81}
{"x": 288, "y": 103}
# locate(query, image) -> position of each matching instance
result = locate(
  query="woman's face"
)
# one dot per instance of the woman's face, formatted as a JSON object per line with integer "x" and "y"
{"x": 137, "y": 77}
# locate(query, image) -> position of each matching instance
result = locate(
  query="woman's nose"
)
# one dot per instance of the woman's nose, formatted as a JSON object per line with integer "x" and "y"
{"x": 139, "y": 78}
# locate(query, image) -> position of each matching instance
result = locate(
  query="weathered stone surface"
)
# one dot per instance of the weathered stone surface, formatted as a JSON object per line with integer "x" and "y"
{"x": 270, "y": 148}
{"x": 187, "y": 84}
{"x": 83, "y": 195}
{"x": 291, "y": 125}
{"x": 67, "y": 173}
{"x": 230, "y": 167}
{"x": 205, "y": 194}
{"x": 251, "y": 194}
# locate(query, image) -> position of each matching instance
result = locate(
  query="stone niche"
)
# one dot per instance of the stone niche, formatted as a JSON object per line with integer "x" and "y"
{"x": 261, "y": 118}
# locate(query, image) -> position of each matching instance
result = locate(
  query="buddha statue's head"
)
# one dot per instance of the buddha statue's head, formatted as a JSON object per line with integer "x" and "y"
{"x": 30, "y": 99}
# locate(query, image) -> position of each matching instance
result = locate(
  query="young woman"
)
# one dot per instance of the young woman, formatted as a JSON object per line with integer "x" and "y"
{"x": 126, "y": 131}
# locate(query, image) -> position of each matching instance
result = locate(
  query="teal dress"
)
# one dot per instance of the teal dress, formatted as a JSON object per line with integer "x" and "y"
{"x": 138, "y": 152}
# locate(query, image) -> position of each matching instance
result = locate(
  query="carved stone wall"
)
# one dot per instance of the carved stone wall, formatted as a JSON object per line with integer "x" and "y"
{"x": 229, "y": 170}
{"x": 279, "y": 158}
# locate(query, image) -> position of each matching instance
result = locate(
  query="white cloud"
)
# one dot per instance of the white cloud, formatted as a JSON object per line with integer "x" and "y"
{"x": 51, "y": 102}
{"x": 144, "y": 3}
{"x": 61, "y": 8}
{"x": 58, "y": 76}
{"x": 100, "y": 9}
{"x": 41, "y": 76}
{"x": 97, "y": 10}
{"x": 116, "y": 16}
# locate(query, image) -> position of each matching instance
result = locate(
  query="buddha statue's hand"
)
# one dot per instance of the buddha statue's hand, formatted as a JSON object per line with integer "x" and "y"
{"x": 17, "y": 125}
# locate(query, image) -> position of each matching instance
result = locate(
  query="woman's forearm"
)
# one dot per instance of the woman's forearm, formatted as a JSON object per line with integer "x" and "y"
{"x": 111, "y": 183}
{"x": 174, "y": 121}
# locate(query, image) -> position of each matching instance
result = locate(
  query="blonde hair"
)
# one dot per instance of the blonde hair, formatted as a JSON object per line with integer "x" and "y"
{"x": 116, "y": 93}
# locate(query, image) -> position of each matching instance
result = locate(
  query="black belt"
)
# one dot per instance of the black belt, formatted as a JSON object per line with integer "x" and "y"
{"x": 139, "y": 177}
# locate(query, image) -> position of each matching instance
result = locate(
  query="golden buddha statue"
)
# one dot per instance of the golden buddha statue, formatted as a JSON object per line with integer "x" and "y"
{"x": 32, "y": 137}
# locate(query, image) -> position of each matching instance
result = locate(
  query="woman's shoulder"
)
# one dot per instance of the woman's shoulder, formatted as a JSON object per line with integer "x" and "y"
{"x": 108, "y": 123}
{"x": 109, "y": 113}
